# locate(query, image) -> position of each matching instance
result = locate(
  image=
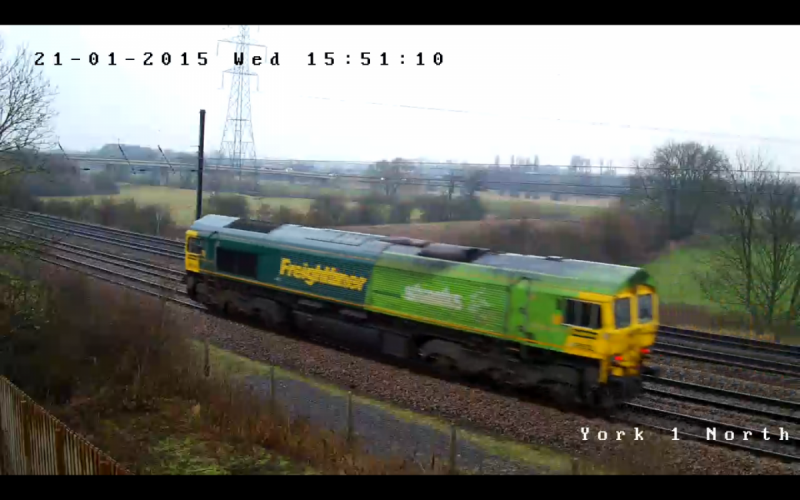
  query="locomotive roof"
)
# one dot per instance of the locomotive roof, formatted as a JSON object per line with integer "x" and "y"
{"x": 589, "y": 276}
{"x": 351, "y": 243}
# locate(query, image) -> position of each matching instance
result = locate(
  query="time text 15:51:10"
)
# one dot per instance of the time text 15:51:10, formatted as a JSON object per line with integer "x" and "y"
{"x": 382, "y": 60}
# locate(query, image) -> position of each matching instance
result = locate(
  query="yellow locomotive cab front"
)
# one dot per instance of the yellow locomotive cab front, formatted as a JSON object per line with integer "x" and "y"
{"x": 635, "y": 318}
{"x": 194, "y": 251}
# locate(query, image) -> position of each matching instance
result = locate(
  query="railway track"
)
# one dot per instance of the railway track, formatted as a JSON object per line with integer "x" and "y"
{"x": 655, "y": 410}
{"x": 703, "y": 413}
{"x": 110, "y": 238}
{"x": 741, "y": 402}
{"x": 676, "y": 334}
{"x": 767, "y": 441}
{"x": 673, "y": 341}
{"x": 160, "y": 240}
{"x": 743, "y": 360}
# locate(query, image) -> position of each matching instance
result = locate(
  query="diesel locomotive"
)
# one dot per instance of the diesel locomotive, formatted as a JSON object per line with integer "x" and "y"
{"x": 582, "y": 330}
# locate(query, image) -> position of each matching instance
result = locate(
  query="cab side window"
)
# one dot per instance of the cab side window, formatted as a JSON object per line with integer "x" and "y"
{"x": 195, "y": 246}
{"x": 582, "y": 314}
{"x": 645, "y": 308}
{"x": 622, "y": 313}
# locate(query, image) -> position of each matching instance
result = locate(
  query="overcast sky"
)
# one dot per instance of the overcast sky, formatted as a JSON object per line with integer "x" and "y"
{"x": 528, "y": 90}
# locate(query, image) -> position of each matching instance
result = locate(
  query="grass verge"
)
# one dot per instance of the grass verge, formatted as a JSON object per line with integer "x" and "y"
{"x": 538, "y": 457}
{"x": 115, "y": 368}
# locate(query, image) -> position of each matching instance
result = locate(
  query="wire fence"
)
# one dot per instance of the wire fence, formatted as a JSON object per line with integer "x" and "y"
{"x": 34, "y": 442}
{"x": 440, "y": 447}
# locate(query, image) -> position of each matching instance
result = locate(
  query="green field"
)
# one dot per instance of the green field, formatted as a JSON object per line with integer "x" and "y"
{"x": 673, "y": 274}
{"x": 182, "y": 202}
{"x": 678, "y": 288}
{"x": 507, "y": 207}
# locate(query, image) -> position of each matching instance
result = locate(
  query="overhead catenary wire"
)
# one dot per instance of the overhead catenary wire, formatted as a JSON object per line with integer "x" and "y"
{"x": 447, "y": 165}
{"x": 593, "y": 123}
{"x": 581, "y": 169}
{"x": 446, "y": 181}
{"x": 467, "y": 166}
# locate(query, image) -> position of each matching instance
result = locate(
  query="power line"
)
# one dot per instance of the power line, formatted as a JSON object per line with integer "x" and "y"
{"x": 593, "y": 123}
{"x": 460, "y": 183}
{"x": 578, "y": 169}
{"x": 330, "y": 174}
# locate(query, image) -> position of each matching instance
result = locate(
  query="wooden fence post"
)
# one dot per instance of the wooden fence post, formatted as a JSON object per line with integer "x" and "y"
{"x": 207, "y": 361}
{"x": 24, "y": 408}
{"x": 452, "y": 449}
{"x": 2, "y": 440}
{"x": 349, "y": 417}
{"x": 273, "y": 398}
{"x": 61, "y": 462}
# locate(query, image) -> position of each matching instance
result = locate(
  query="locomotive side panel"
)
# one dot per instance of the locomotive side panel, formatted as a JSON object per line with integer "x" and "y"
{"x": 324, "y": 275}
{"x": 438, "y": 297}
{"x": 536, "y": 314}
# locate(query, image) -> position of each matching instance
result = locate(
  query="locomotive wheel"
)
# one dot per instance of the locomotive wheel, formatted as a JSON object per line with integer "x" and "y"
{"x": 191, "y": 288}
{"x": 497, "y": 377}
{"x": 273, "y": 314}
{"x": 204, "y": 296}
{"x": 564, "y": 394}
{"x": 443, "y": 363}
{"x": 603, "y": 399}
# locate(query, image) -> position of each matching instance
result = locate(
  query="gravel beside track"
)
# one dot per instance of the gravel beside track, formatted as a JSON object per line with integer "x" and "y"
{"x": 730, "y": 378}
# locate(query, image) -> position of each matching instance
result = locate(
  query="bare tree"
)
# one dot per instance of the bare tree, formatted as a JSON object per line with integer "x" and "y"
{"x": 474, "y": 181}
{"x": 26, "y": 111}
{"x": 677, "y": 181}
{"x": 757, "y": 268}
{"x": 392, "y": 175}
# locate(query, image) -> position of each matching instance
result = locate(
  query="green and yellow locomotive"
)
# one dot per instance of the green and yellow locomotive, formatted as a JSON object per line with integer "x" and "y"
{"x": 582, "y": 329}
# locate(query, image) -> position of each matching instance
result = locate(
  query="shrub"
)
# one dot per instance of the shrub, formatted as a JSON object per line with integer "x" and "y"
{"x": 232, "y": 205}
{"x": 116, "y": 365}
{"x": 147, "y": 219}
